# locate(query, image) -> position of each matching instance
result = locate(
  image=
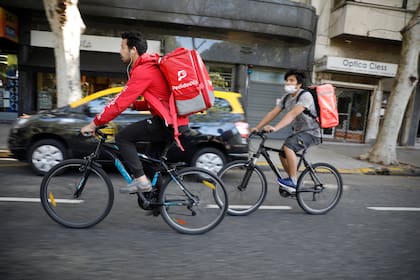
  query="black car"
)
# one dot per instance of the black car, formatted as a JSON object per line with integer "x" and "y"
{"x": 217, "y": 136}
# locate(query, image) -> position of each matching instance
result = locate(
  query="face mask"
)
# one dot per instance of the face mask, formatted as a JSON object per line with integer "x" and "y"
{"x": 290, "y": 88}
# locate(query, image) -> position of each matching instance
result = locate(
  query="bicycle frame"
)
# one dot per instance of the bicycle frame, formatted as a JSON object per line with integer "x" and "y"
{"x": 263, "y": 150}
{"x": 111, "y": 149}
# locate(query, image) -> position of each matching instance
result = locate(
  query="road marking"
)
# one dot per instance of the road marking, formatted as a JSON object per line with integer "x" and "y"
{"x": 394, "y": 208}
{"x": 262, "y": 207}
{"x": 28, "y": 199}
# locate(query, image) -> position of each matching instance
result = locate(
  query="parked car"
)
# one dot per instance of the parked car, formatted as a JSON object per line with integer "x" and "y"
{"x": 217, "y": 136}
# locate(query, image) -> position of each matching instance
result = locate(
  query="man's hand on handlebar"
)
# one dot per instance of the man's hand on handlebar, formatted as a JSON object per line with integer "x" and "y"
{"x": 269, "y": 128}
{"x": 88, "y": 130}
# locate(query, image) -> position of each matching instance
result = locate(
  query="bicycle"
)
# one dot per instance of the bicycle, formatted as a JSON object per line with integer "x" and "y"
{"x": 78, "y": 193}
{"x": 319, "y": 186}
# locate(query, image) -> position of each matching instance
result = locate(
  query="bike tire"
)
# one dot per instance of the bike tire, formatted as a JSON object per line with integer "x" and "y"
{"x": 186, "y": 217}
{"x": 57, "y": 194}
{"x": 319, "y": 189}
{"x": 246, "y": 200}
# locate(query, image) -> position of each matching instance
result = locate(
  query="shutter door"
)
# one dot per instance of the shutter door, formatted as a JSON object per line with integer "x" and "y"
{"x": 262, "y": 98}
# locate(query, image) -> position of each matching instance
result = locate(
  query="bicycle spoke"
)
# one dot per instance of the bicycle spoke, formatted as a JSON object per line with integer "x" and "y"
{"x": 72, "y": 206}
{"x": 319, "y": 189}
{"x": 189, "y": 205}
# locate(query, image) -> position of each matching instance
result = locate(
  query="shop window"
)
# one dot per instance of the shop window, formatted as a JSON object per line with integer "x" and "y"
{"x": 267, "y": 76}
{"x": 47, "y": 90}
{"x": 221, "y": 77}
{"x": 8, "y": 83}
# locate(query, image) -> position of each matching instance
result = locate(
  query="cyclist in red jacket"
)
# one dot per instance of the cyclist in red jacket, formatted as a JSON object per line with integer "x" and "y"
{"x": 145, "y": 79}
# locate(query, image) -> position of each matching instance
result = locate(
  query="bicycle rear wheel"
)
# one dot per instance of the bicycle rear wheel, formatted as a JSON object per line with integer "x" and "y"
{"x": 246, "y": 187}
{"x": 59, "y": 199}
{"x": 190, "y": 202}
{"x": 320, "y": 190}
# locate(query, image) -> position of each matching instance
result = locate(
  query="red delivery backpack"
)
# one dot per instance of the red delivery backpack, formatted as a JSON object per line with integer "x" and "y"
{"x": 325, "y": 104}
{"x": 187, "y": 76}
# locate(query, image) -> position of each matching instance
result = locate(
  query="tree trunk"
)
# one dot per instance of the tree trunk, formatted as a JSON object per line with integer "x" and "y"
{"x": 374, "y": 114}
{"x": 407, "y": 122}
{"x": 67, "y": 26}
{"x": 384, "y": 149}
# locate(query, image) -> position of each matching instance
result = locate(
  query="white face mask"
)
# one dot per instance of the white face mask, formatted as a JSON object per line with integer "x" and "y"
{"x": 290, "y": 88}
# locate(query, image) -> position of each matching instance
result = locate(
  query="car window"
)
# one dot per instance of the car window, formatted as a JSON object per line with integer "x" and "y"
{"x": 220, "y": 105}
{"x": 96, "y": 106}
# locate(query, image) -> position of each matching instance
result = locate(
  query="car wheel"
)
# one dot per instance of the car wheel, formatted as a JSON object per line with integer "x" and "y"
{"x": 44, "y": 154}
{"x": 211, "y": 159}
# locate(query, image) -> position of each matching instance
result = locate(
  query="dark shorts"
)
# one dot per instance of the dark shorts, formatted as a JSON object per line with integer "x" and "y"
{"x": 300, "y": 141}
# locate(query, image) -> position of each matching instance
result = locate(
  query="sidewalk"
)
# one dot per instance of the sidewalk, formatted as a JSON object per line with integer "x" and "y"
{"x": 342, "y": 155}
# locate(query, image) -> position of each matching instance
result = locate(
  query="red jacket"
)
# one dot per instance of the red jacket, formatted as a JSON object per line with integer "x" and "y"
{"x": 148, "y": 81}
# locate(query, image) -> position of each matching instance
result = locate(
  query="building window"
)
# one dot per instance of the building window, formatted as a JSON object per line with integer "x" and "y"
{"x": 267, "y": 76}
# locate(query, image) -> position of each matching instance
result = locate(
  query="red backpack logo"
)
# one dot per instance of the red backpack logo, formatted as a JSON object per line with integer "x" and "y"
{"x": 187, "y": 76}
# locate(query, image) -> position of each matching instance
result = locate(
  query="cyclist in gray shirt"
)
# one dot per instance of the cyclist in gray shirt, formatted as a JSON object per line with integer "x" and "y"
{"x": 306, "y": 130}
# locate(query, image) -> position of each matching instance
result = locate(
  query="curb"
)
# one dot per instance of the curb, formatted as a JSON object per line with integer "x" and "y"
{"x": 393, "y": 171}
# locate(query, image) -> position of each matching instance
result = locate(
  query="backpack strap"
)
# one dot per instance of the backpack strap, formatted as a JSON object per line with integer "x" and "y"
{"x": 284, "y": 101}
{"x": 307, "y": 111}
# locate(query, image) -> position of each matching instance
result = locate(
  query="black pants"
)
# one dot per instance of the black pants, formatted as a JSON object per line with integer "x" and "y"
{"x": 151, "y": 130}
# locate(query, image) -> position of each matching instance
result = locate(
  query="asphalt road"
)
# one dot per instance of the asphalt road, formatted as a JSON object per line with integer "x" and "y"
{"x": 353, "y": 241}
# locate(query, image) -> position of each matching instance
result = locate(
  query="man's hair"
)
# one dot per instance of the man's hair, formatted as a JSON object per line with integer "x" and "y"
{"x": 135, "y": 39}
{"x": 300, "y": 76}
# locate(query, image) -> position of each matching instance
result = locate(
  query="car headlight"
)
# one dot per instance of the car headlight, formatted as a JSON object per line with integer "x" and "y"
{"x": 21, "y": 121}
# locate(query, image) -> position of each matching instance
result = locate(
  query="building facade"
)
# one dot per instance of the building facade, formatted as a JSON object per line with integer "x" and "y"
{"x": 247, "y": 45}
{"x": 358, "y": 49}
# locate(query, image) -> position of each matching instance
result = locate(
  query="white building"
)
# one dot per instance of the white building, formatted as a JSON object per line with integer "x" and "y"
{"x": 358, "y": 49}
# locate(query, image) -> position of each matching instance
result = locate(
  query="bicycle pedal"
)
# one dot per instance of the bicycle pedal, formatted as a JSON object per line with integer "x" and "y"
{"x": 284, "y": 193}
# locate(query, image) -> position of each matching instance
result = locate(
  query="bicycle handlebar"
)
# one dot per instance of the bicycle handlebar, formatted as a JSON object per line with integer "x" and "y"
{"x": 260, "y": 133}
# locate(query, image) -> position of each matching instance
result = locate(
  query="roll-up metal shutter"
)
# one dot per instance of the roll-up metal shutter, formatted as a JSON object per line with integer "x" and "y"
{"x": 262, "y": 98}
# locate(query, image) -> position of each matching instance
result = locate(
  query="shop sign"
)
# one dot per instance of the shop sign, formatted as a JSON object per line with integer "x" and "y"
{"x": 8, "y": 25}
{"x": 88, "y": 42}
{"x": 358, "y": 66}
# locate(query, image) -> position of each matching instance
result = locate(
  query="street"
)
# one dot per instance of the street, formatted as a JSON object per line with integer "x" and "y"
{"x": 353, "y": 241}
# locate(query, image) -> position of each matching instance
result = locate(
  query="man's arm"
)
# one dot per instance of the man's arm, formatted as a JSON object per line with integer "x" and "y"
{"x": 287, "y": 119}
{"x": 269, "y": 117}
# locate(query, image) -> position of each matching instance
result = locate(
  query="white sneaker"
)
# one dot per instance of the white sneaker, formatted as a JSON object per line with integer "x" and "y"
{"x": 136, "y": 186}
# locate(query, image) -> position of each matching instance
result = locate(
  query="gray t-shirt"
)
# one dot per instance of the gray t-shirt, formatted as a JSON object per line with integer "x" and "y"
{"x": 302, "y": 122}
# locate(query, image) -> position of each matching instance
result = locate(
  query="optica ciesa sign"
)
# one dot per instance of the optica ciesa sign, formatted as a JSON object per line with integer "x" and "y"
{"x": 360, "y": 66}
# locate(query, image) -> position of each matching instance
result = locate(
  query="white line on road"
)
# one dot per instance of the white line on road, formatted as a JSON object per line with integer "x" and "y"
{"x": 262, "y": 207}
{"x": 394, "y": 208}
{"x": 27, "y": 199}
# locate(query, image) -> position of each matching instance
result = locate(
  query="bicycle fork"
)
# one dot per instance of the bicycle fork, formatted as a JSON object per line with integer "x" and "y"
{"x": 86, "y": 172}
{"x": 244, "y": 183}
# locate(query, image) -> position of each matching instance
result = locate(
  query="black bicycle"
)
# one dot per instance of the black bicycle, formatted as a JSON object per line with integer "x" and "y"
{"x": 78, "y": 193}
{"x": 319, "y": 186}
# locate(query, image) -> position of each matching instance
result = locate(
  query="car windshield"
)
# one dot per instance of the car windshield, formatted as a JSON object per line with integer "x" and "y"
{"x": 220, "y": 106}
{"x": 96, "y": 106}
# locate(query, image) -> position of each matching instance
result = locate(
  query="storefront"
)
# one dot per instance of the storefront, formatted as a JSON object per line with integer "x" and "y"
{"x": 9, "y": 85}
{"x": 231, "y": 39}
{"x": 355, "y": 81}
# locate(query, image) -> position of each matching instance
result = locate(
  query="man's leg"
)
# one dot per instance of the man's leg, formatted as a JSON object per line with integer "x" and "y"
{"x": 291, "y": 161}
{"x": 150, "y": 130}
{"x": 284, "y": 163}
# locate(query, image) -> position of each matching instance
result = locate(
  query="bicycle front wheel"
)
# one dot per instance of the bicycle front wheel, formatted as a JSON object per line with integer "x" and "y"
{"x": 75, "y": 195}
{"x": 319, "y": 189}
{"x": 190, "y": 201}
{"x": 246, "y": 187}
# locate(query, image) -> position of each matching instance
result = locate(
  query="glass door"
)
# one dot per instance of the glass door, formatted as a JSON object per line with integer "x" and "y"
{"x": 353, "y": 105}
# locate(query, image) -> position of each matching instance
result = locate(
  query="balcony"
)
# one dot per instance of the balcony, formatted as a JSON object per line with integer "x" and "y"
{"x": 368, "y": 21}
